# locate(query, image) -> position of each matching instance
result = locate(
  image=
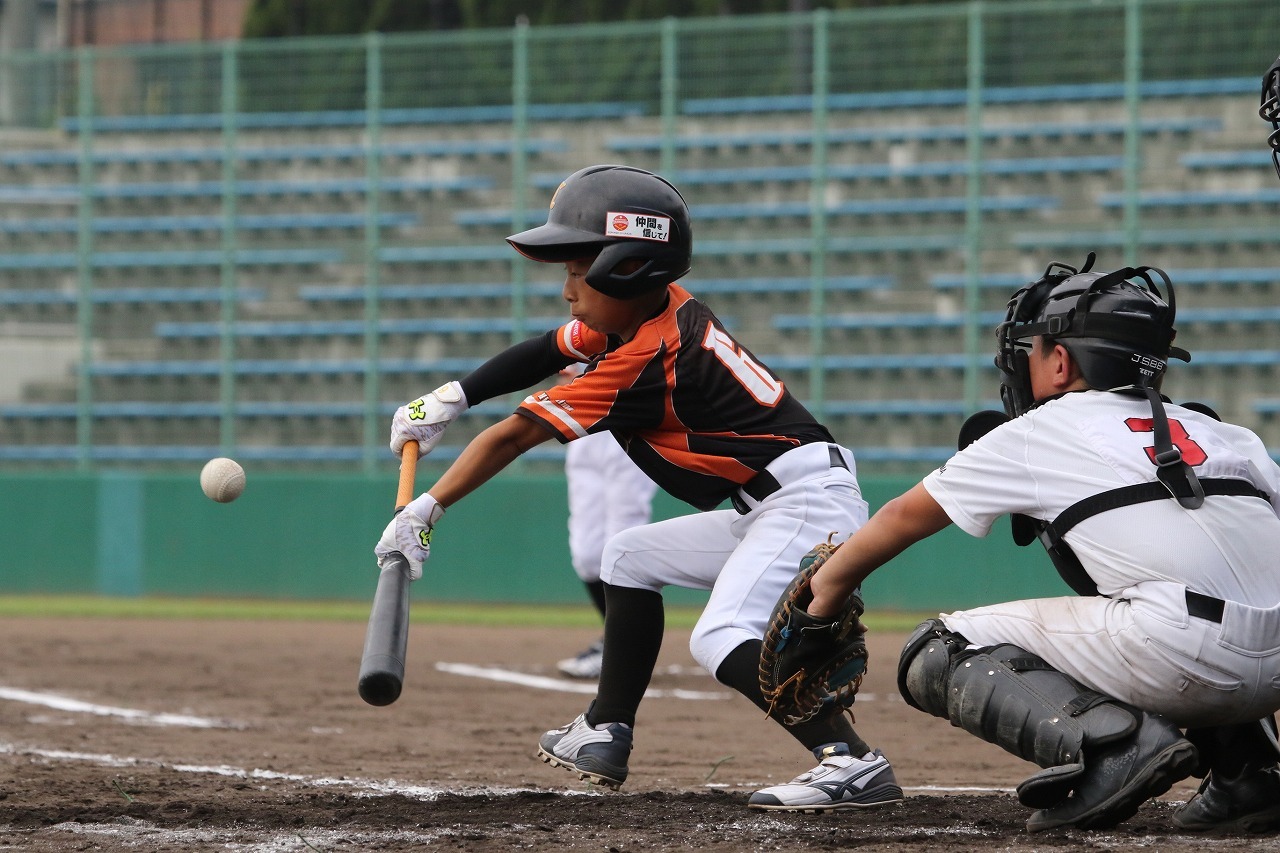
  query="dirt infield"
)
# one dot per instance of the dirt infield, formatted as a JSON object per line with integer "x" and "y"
{"x": 170, "y": 736}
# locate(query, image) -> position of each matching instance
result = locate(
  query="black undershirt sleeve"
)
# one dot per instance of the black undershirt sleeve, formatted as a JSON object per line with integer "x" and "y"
{"x": 515, "y": 369}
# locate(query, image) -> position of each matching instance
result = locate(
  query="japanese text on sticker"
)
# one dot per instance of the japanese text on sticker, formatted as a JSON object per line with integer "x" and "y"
{"x": 641, "y": 226}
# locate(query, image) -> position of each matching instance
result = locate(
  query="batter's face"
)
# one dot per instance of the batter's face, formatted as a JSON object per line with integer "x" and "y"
{"x": 598, "y": 312}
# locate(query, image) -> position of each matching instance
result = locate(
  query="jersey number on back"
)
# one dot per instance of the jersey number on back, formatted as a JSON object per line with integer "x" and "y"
{"x": 753, "y": 377}
{"x": 1192, "y": 453}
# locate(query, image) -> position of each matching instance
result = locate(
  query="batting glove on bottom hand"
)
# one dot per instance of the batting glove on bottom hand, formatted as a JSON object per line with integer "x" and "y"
{"x": 409, "y": 534}
{"x": 425, "y": 419}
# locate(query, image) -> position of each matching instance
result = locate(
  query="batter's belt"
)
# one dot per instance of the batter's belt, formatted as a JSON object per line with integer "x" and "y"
{"x": 764, "y": 484}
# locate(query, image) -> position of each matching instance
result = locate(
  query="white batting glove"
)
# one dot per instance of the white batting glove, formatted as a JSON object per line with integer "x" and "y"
{"x": 425, "y": 418}
{"x": 409, "y": 533}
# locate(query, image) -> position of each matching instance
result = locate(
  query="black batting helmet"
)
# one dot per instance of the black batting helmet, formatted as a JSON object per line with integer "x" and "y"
{"x": 618, "y": 213}
{"x": 1117, "y": 327}
{"x": 1270, "y": 109}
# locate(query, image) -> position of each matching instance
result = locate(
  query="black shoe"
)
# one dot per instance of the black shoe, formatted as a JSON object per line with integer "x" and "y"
{"x": 597, "y": 754}
{"x": 1247, "y": 803}
{"x": 1121, "y": 777}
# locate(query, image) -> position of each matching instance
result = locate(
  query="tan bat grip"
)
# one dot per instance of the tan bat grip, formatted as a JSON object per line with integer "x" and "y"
{"x": 408, "y": 468}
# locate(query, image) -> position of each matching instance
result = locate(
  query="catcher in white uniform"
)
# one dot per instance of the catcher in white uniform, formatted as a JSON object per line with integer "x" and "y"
{"x": 1163, "y": 518}
{"x": 607, "y": 494}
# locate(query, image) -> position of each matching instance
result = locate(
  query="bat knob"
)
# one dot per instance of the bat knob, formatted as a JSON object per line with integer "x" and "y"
{"x": 380, "y": 687}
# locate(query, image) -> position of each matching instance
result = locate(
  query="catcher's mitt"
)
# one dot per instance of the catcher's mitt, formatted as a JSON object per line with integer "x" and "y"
{"x": 808, "y": 664}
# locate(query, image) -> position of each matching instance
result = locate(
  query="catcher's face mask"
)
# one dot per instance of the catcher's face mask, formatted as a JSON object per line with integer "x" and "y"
{"x": 1270, "y": 109}
{"x": 1116, "y": 325}
{"x": 1013, "y": 348}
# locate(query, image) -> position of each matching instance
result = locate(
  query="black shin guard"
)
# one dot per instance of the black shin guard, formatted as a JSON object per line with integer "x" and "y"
{"x": 1010, "y": 697}
{"x": 741, "y": 671}
{"x": 633, "y": 626}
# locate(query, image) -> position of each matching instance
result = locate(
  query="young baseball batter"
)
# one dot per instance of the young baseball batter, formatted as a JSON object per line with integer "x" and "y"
{"x": 1164, "y": 519}
{"x": 703, "y": 418}
{"x": 607, "y": 494}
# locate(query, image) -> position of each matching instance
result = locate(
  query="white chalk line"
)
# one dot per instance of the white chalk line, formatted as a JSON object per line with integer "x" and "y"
{"x": 133, "y": 715}
{"x": 367, "y": 787}
{"x": 542, "y": 682}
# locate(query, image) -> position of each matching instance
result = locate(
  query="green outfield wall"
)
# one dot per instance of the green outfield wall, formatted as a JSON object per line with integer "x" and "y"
{"x": 311, "y": 537}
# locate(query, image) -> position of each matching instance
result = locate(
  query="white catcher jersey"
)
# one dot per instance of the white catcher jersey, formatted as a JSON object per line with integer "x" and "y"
{"x": 1088, "y": 442}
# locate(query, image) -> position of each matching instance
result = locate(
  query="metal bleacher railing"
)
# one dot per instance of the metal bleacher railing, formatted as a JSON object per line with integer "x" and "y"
{"x": 260, "y": 248}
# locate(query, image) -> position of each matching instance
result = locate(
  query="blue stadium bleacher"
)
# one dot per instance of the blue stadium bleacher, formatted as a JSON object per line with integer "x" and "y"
{"x": 281, "y": 153}
{"x": 698, "y": 286}
{"x": 1043, "y": 166}
{"x": 335, "y": 328}
{"x": 885, "y": 243}
{"x": 130, "y": 295}
{"x": 1247, "y": 159}
{"x": 902, "y": 408}
{"x": 423, "y": 292}
{"x": 1192, "y": 277}
{"x": 1172, "y": 237}
{"x": 180, "y": 224}
{"x": 192, "y": 258}
{"x": 354, "y": 118}
{"x": 214, "y": 409}
{"x": 263, "y": 188}
{"x": 912, "y": 98}
{"x": 895, "y": 320}
{"x": 769, "y": 138}
{"x": 1196, "y": 198}
{"x": 926, "y": 320}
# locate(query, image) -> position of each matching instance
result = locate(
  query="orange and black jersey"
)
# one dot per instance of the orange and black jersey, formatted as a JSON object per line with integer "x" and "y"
{"x": 694, "y": 409}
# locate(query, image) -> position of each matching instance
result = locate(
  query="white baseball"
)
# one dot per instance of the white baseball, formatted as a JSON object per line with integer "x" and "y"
{"x": 222, "y": 479}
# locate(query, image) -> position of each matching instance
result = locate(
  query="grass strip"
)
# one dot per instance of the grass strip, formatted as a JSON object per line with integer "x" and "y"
{"x": 422, "y": 612}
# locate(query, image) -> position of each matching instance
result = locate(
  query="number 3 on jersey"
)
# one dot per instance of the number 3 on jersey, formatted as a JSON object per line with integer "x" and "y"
{"x": 753, "y": 377}
{"x": 1192, "y": 453}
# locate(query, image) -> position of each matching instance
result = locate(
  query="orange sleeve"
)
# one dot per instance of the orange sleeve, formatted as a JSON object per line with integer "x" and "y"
{"x": 578, "y": 342}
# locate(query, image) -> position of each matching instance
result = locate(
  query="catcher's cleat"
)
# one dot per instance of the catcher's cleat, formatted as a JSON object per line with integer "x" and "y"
{"x": 598, "y": 754}
{"x": 840, "y": 781}
{"x": 585, "y": 664}
{"x": 1249, "y": 802}
{"x": 1120, "y": 777}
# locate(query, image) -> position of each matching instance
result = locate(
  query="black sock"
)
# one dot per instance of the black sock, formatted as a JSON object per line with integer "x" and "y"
{"x": 595, "y": 589}
{"x": 741, "y": 671}
{"x": 633, "y": 625}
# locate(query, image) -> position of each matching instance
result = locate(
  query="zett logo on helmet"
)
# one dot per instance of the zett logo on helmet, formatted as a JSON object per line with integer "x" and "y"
{"x": 639, "y": 226}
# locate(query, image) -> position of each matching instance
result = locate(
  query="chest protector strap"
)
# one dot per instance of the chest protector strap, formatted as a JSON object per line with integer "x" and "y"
{"x": 1051, "y": 533}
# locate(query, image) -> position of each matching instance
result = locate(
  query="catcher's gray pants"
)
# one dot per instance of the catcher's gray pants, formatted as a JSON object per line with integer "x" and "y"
{"x": 746, "y": 560}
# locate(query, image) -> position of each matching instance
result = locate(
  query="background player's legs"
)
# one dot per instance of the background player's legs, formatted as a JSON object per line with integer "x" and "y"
{"x": 607, "y": 494}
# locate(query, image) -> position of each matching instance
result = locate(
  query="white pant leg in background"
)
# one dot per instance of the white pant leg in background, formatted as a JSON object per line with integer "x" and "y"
{"x": 745, "y": 560}
{"x": 607, "y": 494}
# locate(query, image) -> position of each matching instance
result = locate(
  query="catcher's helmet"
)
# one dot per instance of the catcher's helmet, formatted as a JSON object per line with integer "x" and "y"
{"x": 617, "y": 213}
{"x": 1116, "y": 325}
{"x": 1270, "y": 109}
